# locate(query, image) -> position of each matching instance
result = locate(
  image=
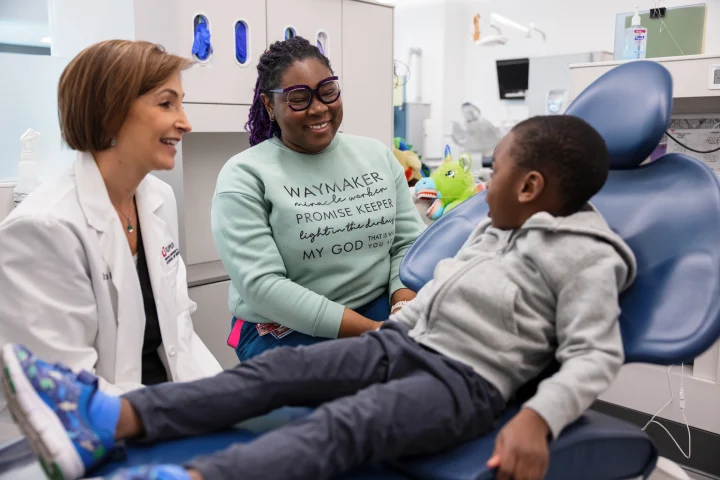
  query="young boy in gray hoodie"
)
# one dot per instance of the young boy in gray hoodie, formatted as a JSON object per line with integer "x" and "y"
{"x": 538, "y": 281}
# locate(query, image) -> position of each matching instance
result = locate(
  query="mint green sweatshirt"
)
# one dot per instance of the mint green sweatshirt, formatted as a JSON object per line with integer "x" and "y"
{"x": 304, "y": 236}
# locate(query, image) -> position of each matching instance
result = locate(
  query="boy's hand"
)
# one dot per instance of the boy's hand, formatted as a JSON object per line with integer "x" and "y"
{"x": 521, "y": 448}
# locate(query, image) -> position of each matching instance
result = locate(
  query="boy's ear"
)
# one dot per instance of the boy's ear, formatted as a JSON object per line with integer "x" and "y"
{"x": 532, "y": 187}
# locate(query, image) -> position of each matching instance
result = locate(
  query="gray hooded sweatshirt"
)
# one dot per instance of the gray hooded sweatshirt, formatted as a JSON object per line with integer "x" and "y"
{"x": 511, "y": 300}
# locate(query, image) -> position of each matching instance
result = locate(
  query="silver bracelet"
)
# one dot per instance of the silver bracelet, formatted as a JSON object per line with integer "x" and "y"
{"x": 399, "y": 305}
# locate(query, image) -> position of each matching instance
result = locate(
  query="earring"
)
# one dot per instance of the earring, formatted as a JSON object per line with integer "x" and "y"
{"x": 272, "y": 117}
{"x": 112, "y": 142}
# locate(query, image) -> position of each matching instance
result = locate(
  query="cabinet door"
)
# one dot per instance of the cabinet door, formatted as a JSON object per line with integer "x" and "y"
{"x": 311, "y": 19}
{"x": 211, "y": 320}
{"x": 368, "y": 70}
{"x": 224, "y": 77}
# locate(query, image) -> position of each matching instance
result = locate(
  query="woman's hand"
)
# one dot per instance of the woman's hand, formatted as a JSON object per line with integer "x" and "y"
{"x": 354, "y": 324}
{"x": 401, "y": 295}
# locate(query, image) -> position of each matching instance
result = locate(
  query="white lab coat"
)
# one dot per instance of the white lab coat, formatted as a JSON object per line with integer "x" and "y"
{"x": 69, "y": 288}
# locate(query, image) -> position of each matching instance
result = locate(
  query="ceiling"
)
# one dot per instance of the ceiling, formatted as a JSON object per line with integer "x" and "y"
{"x": 24, "y": 22}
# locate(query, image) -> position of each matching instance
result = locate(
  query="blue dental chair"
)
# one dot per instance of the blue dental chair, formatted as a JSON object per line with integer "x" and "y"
{"x": 669, "y": 214}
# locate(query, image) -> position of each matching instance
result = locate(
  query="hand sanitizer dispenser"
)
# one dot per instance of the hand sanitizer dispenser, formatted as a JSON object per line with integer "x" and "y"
{"x": 636, "y": 38}
{"x": 28, "y": 172}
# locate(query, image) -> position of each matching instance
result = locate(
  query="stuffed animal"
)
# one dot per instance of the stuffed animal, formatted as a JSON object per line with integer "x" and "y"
{"x": 449, "y": 186}
{"x": 409, "y": 160}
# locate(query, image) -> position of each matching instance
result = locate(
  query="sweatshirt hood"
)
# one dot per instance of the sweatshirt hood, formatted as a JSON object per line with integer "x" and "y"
{"x": 588, "y": 221}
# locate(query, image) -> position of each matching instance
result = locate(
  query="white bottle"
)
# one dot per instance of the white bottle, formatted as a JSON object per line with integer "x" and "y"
{"x": 28, "y": 172}
{"x": 635, "y": 39}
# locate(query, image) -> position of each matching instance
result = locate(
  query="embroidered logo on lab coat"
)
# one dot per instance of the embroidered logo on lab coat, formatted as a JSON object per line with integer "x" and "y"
{"x": 170, "y": 252}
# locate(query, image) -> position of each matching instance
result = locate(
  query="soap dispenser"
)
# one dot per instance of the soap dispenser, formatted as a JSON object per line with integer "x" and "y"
{"x": 28, "y": 171}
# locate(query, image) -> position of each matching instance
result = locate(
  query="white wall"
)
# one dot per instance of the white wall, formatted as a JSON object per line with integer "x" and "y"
{"x": 29, "y": 95}
{"x": 28, "y": 99}
{"x": 457, "y": 70}
{"x": 458, "y": 32}
{"x": 24, "y": 22}
{"x": 76, "y": 24}
{"x": 420, "y": 24}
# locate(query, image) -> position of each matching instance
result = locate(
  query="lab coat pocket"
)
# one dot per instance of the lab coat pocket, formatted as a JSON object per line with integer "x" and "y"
{"x": 183, "y": 303}
{"x": 185, "y": 330}
{"x": 171, "y": 278}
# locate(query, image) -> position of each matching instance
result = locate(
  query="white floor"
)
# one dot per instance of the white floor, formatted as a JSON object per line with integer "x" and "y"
{"x": 699, "y": 476}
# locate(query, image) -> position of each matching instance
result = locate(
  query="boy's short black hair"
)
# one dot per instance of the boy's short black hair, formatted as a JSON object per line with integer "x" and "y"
{"x": 568, "y": 152}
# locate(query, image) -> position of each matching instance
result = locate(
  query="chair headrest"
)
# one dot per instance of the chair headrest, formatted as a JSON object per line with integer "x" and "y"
{"x": 630, "y": 107}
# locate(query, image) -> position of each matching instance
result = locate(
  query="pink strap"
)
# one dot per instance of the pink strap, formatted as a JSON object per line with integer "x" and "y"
{"x": 234, "y": 338}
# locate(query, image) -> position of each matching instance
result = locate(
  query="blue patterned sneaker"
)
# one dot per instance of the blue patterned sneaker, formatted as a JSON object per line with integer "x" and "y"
{"x": 51, "y": 406}
{"x": 151, "y": 472}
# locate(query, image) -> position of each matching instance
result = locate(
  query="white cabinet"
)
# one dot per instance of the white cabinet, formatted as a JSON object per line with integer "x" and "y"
{"x": 223, "y": 77}
{"x": 204, "y": 155}
{"x": 311, "y": 19}
{"x": 367, "y": 80}
{"x": 211, "y": 320}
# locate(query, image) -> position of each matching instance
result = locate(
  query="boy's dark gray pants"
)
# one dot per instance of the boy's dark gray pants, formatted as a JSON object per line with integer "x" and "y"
{"x": 380, "y": 396}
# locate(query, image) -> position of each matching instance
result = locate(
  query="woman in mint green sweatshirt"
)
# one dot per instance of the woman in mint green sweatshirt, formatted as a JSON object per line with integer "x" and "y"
{"x": 310, "y": 224}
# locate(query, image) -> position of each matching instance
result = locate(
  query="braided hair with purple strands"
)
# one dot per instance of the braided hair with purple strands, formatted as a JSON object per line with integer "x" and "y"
{"x": 271, "y": 67}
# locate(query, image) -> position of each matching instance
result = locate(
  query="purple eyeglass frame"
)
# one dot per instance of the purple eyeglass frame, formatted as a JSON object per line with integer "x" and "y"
{"x": 314, "y": 92}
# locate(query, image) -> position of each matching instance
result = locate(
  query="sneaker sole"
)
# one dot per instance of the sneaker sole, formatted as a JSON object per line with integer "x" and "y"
{"x": 44, "y": 431}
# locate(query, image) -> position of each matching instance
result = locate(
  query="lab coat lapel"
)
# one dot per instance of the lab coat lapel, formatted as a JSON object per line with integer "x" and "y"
{"x": 124, "y": 289}
{"x": 159, "y": 245}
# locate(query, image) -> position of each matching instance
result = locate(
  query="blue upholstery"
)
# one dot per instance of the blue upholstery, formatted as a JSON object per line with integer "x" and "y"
{"x": 182, "y": 450}
{"x": 441, "y": 240}
{"x": 593, "y": 438}
{"x": 630, "y": 107}
{"x": 671, "y": 313}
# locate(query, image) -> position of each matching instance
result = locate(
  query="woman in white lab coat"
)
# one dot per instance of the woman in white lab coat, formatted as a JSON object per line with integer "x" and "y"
{"x": 90, "y": 271}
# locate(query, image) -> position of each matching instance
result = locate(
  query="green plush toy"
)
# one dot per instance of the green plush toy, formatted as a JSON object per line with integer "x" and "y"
{"x": 450, "y": 185}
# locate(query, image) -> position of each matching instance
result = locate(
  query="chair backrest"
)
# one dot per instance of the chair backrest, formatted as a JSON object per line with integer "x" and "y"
{"x": 667, "y": 211}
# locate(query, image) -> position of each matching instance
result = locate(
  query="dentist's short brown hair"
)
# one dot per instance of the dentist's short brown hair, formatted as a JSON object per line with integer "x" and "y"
{"x": 100, "y": 84}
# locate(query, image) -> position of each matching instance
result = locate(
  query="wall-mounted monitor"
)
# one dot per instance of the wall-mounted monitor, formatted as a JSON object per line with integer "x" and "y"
{"x": 513, "y": 78}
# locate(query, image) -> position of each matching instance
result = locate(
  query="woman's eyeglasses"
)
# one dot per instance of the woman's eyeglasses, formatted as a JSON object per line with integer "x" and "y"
{"x": 299, "y": 97}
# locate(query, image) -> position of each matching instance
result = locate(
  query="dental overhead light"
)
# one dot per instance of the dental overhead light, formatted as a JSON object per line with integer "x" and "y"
{"x": 496, "y": 21}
